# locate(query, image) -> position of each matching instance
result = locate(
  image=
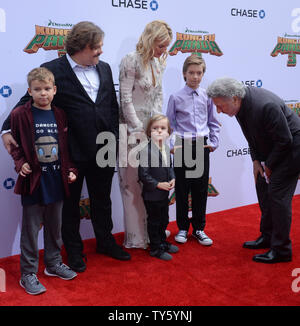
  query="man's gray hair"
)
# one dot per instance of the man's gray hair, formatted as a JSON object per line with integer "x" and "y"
{"x": 226, "y": 87}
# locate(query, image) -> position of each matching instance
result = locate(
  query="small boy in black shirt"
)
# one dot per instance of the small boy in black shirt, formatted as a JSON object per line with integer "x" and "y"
{"x": 158, "y": 178}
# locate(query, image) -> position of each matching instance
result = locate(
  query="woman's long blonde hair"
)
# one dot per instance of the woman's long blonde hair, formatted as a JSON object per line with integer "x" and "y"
{"x": 155, "y": 31}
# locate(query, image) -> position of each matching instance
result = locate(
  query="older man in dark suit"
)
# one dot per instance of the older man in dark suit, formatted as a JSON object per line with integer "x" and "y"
{"x": 85, "y": 91}
{"x": 273, "y": 133}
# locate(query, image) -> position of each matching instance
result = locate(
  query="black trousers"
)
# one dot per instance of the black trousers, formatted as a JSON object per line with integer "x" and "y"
{"x": 99, "y": 181}
{"x": 198, "y": 188}
{"x": 275, "y": 201}
{"x": 157, "y": 221}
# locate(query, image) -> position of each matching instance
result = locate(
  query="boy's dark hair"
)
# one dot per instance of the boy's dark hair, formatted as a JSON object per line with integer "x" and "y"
{"x": 83, "y": 34}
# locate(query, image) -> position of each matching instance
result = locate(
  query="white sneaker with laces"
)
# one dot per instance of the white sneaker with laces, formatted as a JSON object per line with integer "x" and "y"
{"x": 181, "y": 236}
{"x": 202, "y": 238}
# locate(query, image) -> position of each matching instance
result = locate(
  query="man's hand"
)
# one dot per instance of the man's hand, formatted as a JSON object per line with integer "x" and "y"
{"x": 257, "y": 169}
{"x": 9, "y": 142}
{"x": 268, "y": 172}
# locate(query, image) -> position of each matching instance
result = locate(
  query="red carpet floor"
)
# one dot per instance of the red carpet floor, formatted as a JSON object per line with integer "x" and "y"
{"x": 221, "y": 275}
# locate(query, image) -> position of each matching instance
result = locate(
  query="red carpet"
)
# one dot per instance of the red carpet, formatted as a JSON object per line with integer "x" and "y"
{"x": 221, "y": 275}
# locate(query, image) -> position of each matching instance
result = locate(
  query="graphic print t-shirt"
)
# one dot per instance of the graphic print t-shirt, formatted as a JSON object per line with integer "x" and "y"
{"x": 46, "y": 147}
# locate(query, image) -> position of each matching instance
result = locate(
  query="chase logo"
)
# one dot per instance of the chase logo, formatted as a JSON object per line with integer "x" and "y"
{"x": 136, "y": 4}
{"x": 255, "y": 83}
{"x": 5, "y": 91}
{"x": 9, "y": 183}
{"x": 238, "y": 152}
{"x": 261, "y": 14}
{"x": 250, "y": 13}
{"x": 154, "y": 5}
{"x": 258, "y": 83}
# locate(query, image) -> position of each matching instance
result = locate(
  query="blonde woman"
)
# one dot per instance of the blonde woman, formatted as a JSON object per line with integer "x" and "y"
{"x": 140, "y": 81}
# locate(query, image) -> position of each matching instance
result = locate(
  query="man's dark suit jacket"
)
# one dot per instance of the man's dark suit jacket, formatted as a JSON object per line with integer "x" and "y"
{"x": 85, "y": 117}
{"x": 268, "y": 125}
{"x": 152, "y": 170}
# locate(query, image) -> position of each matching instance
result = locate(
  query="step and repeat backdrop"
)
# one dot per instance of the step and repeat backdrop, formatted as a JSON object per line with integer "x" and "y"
{"x": 254, "y": 41}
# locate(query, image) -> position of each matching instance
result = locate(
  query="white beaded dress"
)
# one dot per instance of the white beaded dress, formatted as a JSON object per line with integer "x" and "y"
{"x": 140, "y": 97}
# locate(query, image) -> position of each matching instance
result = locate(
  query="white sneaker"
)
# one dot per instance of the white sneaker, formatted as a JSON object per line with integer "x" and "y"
{"x": 181, "y": 236}
{"x": 202, "y": 238}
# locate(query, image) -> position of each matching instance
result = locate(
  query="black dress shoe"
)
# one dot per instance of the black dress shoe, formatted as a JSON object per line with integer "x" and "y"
{"x": 114, "y": 251}
{"x": 271, "y": 257}
{"x": 259, "y": 243}
{"x": 76, "y": 262}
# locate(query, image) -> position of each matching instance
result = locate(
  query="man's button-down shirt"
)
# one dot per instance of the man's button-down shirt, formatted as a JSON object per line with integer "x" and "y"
{"x": 192, "y": 114}
{"x": 88, "y": 77}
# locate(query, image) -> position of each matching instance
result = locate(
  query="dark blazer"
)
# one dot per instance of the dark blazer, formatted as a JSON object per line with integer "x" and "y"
{"x": 268, "y": 125}
{"x": 152, "y": 170}
{"x": 85, "y": 118}
{"x": 22, "y": 129}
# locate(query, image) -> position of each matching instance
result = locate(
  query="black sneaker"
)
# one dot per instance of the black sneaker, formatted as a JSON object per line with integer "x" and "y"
{"x": 114, "y": 251}
{"x": 168, "y": 247}
{"x": 202, "y": 238}
{"x": 76, "y": 262}
{"x": 160, "y": 254}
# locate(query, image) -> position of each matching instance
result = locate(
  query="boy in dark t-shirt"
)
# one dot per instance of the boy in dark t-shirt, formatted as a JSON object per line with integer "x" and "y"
{"x": 46, "y": 145}
{"x": 44, "y": 168}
